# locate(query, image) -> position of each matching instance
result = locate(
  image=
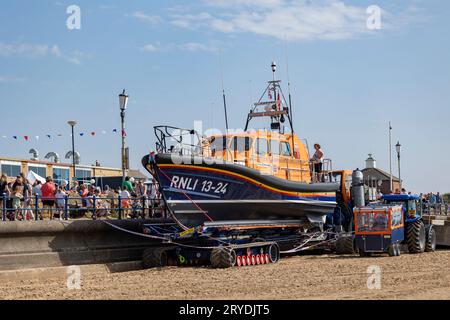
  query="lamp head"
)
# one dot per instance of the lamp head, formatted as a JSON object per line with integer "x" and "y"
{"x": 71, "y": 123}
{"x": 398, "y": 147}
{"x": 123, "y": 100}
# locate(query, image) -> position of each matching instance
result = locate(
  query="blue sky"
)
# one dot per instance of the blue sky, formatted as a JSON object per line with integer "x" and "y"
{"x": 347, "y": 81}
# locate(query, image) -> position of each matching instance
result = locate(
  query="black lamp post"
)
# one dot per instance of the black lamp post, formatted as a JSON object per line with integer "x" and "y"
{"x": 398, "y": 148}
{"x": 123, "y": 102}
{"x": 72, "y": 124}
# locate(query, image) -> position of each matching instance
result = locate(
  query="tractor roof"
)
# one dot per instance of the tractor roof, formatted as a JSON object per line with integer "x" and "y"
{"x": 400, "y": 197}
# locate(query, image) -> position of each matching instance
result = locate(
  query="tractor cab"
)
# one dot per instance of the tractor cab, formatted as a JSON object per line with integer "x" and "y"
{"x": 412, "y": 206}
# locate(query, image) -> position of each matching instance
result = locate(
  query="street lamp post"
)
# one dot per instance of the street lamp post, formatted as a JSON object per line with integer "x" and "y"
{"x": 123, "y": 101}
{"x": 398, "y": 148}
{"x": 72, "y": 124}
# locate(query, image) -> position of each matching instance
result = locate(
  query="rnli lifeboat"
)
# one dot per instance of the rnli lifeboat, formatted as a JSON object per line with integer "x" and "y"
{"x": 247, "y": 175}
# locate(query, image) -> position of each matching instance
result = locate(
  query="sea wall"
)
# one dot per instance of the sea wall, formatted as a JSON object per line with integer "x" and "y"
{"x": 61, "y": 243}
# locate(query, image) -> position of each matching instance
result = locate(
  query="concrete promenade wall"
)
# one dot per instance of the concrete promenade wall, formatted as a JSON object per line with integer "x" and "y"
{"x": 61, "y": 243}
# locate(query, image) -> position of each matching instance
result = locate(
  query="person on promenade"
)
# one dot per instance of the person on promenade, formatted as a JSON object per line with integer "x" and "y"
{"x": 48, "y": 191}
{"x": 127, "y": 184}
{"x": 4, "y": 190}
{"x": 60, "y": 201}
{"x": 27, "y": 200}
{"x": 17, "y": 193}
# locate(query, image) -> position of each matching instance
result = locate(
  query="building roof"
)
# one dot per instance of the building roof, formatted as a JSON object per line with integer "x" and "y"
{"x": 379, "y": 174}
{"x": 137, "y": 174}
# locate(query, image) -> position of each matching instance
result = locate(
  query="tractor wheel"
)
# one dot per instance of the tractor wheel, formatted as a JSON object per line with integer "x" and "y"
{"x": 364, "y": 254}
{"x": 392, "y": 250}
{"x": 154, "y": 258}
{"x": 223, "y": 258}
{"x": 398, "y": 249}
{"x": 345, "y": 245}
{"x": 416, "y": 237}
{"x": 431, "y": 240}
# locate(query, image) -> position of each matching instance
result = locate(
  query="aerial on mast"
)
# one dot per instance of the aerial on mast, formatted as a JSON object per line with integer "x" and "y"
{"x": 275, "y": 107}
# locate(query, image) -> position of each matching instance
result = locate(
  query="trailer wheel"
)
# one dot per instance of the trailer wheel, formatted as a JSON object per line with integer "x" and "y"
{"x": 345, "y": 245}
{"x": 223, "y": 258}
{"x": 431, "y": 240}
{"x": 154, "y": 258}
{"x": 274, "y": 253}
{"x": 416, "y": 237}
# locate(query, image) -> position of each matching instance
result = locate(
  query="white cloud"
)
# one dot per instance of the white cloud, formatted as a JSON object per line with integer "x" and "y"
{"x": 9, "y": 79}
{"x": 284, "y": 19}
{"x": 143, "y": 17}
{"x": 27, "y": 50}
{"x": 187, "y": 46}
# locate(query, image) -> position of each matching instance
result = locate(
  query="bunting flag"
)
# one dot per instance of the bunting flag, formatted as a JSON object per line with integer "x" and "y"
{"x": 60, "y": 135}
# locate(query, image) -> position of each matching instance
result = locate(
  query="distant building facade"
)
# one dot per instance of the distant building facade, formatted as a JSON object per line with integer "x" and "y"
{"x": 13, "y": 167}
{"x": 378, "y": 178}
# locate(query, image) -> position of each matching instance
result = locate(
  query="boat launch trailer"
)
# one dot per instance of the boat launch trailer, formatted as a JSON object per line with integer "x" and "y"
{"x": 231, "y": 243}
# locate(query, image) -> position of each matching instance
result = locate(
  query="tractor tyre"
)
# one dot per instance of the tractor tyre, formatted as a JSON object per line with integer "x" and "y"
{"x": 345, "y": 245}
{"x": 431, "y": 240}
{"x": 398, "y": 249}
{"x": 154, "y": 258}
{"x": 392, "y": 250}
{"x": 416, "y": 237}
{"x": 223, "y": 258}
{"x": 364, "y": 254}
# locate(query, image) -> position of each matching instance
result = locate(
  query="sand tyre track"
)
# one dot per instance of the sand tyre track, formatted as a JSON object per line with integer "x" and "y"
{"x": 431, "y": 240}
{"x": 345, "y": 244}
{"x": 223, "y": 258}
{"x": 154, "y": 258}
{"x": 416, "y": 237}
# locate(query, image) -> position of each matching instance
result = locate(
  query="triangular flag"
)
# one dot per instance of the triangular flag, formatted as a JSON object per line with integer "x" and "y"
{"x": 124, "y": 134}
{"x": 15, "y": 137}
{"x": 59, "y": 135}
{"x": 37, "y": 137}
{"x": 49, "y": 136}
{"x": 26, "y": 138}
{"x": 92, "y": 133}
{"x": 81, "y": 134}
{"x": 115, "y": 130}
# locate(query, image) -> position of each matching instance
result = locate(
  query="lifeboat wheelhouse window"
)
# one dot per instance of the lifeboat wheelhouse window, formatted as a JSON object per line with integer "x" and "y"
{"x": 241, "y": 144}
{"x": 262, "y": 147}
{"x": 285, "y": 149}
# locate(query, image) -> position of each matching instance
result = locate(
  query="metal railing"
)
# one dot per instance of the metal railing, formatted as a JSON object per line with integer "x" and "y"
{"x": 76, "y": 207}
{"x": 436, "y": 209}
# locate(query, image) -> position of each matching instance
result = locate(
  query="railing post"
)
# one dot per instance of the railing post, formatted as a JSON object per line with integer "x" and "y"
{"x": 36, "y": 207}
{"x": 119, "y": 206}
{"x": 4, "y": 207}
{"x": 143, "y": 207}
{"x": 94, "y": 207}
{"x": 66, "y": 208}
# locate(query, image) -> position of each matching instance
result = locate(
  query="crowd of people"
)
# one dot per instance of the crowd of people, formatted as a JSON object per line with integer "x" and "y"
{"x": 22, "y": 200}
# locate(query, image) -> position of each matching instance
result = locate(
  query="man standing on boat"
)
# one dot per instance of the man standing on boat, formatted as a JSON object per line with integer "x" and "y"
{"x": 317, "y": 161}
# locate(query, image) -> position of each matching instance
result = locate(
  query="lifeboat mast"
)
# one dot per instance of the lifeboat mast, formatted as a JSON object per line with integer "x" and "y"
{"x": 274, "y": 108}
